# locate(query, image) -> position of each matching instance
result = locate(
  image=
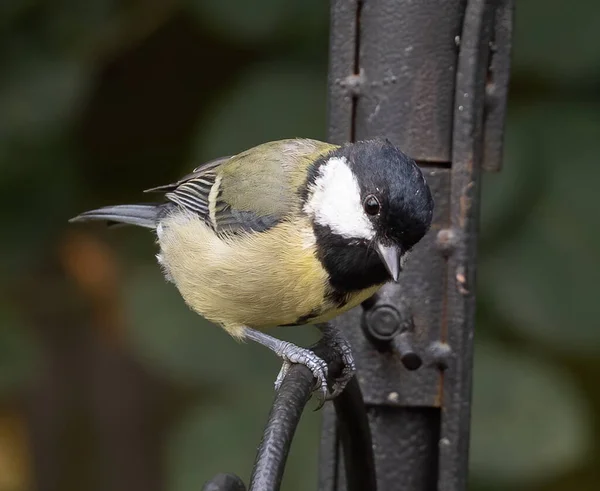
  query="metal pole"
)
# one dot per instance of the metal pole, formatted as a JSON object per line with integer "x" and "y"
{"x": 432, "y": 76}
{"x": 290, "y": 400}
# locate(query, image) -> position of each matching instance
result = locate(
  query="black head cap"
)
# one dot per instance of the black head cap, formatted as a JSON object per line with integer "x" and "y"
{"x": 394, "y": 192}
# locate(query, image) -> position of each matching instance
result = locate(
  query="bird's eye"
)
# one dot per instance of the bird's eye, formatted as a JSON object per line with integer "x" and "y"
{"x": 371, "y": 205}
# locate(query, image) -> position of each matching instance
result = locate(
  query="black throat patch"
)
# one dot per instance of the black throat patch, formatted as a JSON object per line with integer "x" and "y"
{"x": 352, "y": 265}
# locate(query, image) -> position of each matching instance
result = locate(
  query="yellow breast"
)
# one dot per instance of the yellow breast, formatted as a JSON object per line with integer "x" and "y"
{"x": 260, "y": 280}
{"x": 354, "y": 299}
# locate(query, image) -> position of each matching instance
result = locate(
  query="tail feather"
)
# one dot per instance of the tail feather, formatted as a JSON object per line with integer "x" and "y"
{"x": 140, "y": 215}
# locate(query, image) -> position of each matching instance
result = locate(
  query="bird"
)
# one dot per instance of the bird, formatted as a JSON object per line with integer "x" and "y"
{"x": 289, "y": 232}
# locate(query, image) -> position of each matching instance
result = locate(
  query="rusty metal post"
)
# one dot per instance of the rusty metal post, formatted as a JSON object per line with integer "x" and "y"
{"x": 432, "y": 76}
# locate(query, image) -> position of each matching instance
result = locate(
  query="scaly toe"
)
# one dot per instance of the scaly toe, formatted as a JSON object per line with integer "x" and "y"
{"x": 341, "y": 345}
{"x": 294, "y": 354}
{"x": 340, "y": 383}
{"x": 282, "y": 373}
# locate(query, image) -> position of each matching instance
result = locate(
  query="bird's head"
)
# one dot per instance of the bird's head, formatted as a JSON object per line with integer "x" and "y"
{"x": 367, "y": 200}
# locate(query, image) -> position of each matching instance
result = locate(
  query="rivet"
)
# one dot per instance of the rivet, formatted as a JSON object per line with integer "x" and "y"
{"x": 353, "y": 83}
{"x": 447, "y": 240}
{"x": 440, "y": 353}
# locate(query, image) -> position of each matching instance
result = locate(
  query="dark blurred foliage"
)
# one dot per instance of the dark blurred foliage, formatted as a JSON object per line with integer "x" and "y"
{"x": 107, "y": 381}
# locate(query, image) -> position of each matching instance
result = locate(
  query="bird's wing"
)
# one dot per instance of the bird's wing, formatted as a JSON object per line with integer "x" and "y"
{"x": 198, "y": 171}
{"x": 251, "y": 191}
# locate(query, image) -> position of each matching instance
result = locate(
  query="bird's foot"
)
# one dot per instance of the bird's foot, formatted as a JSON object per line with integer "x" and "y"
{"x": 291, "y": 354}
{"x": 336, "y": 341}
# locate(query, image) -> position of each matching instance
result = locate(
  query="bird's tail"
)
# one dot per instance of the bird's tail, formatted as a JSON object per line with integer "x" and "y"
{"x": 140, "y": 215}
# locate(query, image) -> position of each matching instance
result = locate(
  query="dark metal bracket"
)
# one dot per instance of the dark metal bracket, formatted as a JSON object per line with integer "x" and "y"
{"x": 432, "y": 76}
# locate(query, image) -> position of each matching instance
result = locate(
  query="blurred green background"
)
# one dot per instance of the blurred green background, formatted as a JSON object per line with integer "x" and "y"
{"x": 107, "y": 381}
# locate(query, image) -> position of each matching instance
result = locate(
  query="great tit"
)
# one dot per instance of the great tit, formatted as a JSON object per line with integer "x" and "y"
{"x": 289, "y": 232}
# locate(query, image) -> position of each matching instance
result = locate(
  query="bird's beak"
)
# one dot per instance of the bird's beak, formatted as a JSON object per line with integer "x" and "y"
{"x": 390, "y": 255}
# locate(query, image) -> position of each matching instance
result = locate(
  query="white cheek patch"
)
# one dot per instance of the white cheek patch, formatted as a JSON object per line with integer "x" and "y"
{"x": 334, "y": 201}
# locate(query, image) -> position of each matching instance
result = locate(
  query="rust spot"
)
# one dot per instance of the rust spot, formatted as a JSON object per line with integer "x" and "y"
{"x": 469, "y": 165}
{"x": 461, "y": 280}
{"x": 465, "y": 204}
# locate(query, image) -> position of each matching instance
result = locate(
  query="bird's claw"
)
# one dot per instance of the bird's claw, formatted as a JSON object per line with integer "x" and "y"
{"x": 282, "y": 373}
{"x": 290, "y": 354}
{"x": 338, "y": 343}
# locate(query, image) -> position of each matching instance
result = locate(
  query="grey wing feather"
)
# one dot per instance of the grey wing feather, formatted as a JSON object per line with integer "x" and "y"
{"x": 197, "y": 172}
{"x": 231, "y": 220}
{"x": 141, "y": 215}
{"x": 193, "y": 194}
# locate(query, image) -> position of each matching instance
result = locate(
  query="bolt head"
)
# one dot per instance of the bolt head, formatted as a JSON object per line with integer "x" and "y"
{"x": 383, "y": 322}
